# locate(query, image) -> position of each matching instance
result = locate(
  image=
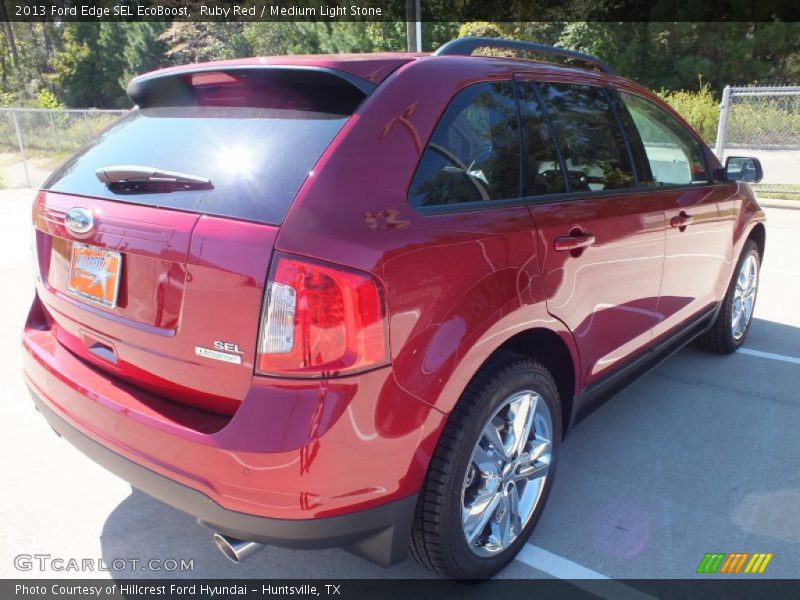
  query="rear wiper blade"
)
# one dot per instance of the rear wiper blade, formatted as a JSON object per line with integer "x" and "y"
{"x": 137, "y": 178}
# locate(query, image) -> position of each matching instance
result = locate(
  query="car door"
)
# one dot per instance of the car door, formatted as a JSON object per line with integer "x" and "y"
{"x": 700, "y": 215}
{"x": 601, "y": 240}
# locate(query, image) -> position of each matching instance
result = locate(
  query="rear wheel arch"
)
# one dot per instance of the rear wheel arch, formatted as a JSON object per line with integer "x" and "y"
{"x": 549, "y": 349}
{"x": 759, "y": 235}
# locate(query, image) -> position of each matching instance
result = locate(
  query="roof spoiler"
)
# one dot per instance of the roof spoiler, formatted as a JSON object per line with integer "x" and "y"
{"x": 176, "y": 84}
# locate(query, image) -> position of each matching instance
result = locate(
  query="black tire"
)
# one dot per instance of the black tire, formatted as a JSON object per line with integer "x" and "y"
{"x": 720, "y": 339}
{"x": 438, "y": 541}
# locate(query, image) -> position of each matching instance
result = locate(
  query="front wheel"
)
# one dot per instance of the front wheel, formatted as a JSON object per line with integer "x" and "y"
{"x": 732, "y": 325}
{"x": 491, "y": 473}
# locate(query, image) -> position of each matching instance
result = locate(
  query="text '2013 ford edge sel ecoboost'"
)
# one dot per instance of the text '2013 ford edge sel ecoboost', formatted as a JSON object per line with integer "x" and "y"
{"x": 358, "y": 300}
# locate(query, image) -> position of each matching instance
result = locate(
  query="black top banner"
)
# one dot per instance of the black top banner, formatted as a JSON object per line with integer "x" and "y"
{"x": 402, "y": 10}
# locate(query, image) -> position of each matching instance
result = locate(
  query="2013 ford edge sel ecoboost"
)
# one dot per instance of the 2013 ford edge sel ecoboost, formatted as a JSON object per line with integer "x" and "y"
{"x": 358, "y": 300}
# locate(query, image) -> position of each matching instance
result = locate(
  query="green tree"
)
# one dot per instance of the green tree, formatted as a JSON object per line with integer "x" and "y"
{"x": 47, "y": 99}
{"x": 88, "y": 68}
{"x": 267, "y": 39}
{"x": 271, "y": 38}
{"x": 671, "y": 56}
{"x": 434, "y": 34}
{"x": 189, "y": 42}
{"x": 144, "y": 50}
{"x": 679, "y": 55}
{"x": 25, "y": 52}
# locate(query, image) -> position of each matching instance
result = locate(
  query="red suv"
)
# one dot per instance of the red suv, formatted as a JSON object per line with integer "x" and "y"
{"x": 358, "y": 300}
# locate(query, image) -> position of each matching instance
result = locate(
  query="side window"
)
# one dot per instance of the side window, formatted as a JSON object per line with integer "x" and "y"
{"x": 473, "y": 155}
{"x": 591, "y": 143}
{"x": 543, "y": 172}
{"x": 674, "y": 155}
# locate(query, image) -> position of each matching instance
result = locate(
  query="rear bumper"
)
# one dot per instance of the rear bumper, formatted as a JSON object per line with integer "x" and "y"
{"x": 379, "y": 534}
{"x": 301, "y": 463}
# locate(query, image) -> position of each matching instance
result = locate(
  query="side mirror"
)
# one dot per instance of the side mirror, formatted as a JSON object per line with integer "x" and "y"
{"x": 743, "y": 168}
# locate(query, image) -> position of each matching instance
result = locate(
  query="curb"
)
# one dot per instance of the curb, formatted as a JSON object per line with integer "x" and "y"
{"x": 775, "y": 203}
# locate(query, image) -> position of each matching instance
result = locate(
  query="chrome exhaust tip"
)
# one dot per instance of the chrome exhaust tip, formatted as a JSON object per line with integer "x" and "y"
{"x": 235, "y": 550}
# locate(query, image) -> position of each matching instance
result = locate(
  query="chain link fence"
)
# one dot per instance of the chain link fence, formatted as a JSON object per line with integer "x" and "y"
{"x": 764, "y": 122}
{"x": 34, "y": 141}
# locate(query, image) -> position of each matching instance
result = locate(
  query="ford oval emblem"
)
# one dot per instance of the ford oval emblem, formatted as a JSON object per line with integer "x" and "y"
{"x": 79, "y": 220}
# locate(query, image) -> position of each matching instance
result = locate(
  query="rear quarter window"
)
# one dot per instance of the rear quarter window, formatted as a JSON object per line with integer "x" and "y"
{"x": 473, "y": 155}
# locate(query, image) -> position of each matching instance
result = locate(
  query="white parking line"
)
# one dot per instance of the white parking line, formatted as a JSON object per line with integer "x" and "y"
{"x": 555, "y": 565}
{"x": 578, "y": 575}
{"x": 769, "y": 355}
{"x": 779, "y": 270}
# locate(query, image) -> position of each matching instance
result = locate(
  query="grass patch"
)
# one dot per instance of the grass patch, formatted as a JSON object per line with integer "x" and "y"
{"x": 50, "y": 161}
{"x": 786, "y": 191}
{"x": 47, "y": 134}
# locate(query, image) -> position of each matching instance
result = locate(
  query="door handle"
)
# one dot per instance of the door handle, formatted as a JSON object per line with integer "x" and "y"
{"x": 575, "y": 241}
{"x": 681, "y": 221}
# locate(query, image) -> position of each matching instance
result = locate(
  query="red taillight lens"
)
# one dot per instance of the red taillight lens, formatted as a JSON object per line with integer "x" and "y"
{"x": 321, "y": 320}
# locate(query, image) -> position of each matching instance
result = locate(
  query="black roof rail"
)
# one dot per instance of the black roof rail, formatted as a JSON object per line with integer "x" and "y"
{"x": 465, "y": 46}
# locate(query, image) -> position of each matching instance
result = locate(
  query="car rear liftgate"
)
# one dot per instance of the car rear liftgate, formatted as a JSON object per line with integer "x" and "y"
{"x": 153, "y": 243}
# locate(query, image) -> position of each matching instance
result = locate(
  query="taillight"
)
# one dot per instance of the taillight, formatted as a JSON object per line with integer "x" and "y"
{"x": 34, "y": 242}
{"x": 321, "y": 320}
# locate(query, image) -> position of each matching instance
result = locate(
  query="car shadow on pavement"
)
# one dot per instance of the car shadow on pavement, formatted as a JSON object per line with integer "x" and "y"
{"x": 143, "y": 529}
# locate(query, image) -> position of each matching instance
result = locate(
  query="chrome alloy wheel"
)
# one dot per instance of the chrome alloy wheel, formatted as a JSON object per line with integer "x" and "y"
{"x": 744, "y": 297}
{"x": 506, "y": 473}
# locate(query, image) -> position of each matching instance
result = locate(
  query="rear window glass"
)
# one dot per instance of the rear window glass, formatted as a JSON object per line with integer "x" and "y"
{"x": 256, "y": 151}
